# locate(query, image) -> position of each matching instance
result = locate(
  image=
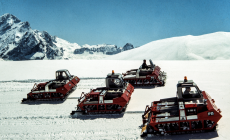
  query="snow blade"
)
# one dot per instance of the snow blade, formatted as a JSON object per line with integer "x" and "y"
{"x": 144, "y": 131}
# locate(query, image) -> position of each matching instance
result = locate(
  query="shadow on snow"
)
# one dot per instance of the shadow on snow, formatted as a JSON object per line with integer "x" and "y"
{"x": 187, "y": 136}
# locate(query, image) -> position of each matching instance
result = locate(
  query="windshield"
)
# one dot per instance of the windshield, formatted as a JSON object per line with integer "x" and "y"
{"x": 67, "y": 72}
{"x": 190, "y": 92}
{"x": 61, "y": 75}
{"x": 151, "y": 63}
{"x": 115, "y": 82}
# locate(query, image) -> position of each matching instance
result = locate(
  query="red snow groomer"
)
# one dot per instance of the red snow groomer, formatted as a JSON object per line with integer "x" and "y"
{"x": 110, "y": 99}
{"x": 57, "y": 89}
{"x": 191, "y": 111}
{"x": 150, "y": 76}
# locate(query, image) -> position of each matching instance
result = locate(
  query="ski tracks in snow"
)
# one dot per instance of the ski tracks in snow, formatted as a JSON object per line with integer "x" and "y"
{"x": 53, "y": 120}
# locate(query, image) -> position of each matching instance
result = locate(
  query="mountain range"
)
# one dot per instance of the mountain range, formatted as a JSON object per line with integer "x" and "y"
{"x": 19, "y": 42}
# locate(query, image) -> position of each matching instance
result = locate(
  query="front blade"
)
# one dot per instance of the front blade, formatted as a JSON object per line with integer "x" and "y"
{"x": 143, "y": 131}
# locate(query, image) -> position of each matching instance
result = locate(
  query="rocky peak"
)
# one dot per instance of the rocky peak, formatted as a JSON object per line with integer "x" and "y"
{"x": 128, "y": 46}
{"x": 47, "y": 37}
{"x": 7, "y": 21}
{"x": 19, "y": 42}
{"x": 9, "y": 18}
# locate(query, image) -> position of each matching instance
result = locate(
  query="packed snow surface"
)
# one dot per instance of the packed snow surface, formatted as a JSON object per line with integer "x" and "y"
{"x": 42, "y": 120}
{"x": 214, "y": 46}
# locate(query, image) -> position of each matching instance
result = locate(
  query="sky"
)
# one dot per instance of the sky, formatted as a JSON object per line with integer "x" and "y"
{"x": 121, "y": 21}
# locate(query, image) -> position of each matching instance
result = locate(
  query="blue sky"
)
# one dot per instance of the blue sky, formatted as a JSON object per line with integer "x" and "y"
{"x": 121, "y": 21}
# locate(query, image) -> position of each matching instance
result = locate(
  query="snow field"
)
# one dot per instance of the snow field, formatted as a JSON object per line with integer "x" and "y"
{"x": 52, "y": 121}
{"x": 28, "y": 84}
{"x": 213, "y": 46}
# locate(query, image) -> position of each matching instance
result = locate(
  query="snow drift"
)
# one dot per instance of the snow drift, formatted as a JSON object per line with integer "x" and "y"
{"x": 214, "y": 46}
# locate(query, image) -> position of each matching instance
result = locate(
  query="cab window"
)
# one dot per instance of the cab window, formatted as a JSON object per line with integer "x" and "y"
{"x": 68, "y": 74}
{"x": 190, "y": 92}
{"x": 114, "y": 83}
{"x": 61, "y": 76}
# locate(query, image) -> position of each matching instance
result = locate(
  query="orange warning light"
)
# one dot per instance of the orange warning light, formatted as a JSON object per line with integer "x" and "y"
{"x": 112, "y": 71}
{"x": 185, "y": 79}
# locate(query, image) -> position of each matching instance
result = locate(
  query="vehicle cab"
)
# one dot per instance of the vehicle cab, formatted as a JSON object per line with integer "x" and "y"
{"x": 63, "y": 74}
{"x": 188, "y": 90}
{"x": 114, "y": 80}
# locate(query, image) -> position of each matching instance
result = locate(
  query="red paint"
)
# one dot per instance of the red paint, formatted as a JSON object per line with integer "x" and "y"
{"x": 121, "y": 101}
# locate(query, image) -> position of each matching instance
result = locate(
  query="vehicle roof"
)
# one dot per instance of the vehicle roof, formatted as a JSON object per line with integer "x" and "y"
{"x": 115, "y": 75}
{"x": 61, "y": 70}
{"x": 188, "y": 83}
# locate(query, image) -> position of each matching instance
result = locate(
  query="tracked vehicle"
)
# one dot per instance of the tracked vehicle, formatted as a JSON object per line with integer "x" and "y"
{"x": 141, "y": 77}
{"x": 57, "y": 89}
{"x": 192, "y": 110}
{"x": 110, "y": 99}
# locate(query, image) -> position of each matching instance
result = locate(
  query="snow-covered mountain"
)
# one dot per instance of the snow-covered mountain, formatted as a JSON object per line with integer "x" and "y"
{"x": 74, "y": 51}
{"x": 212, "y": 46}
{"x": 103, "y": 48}
{"x": 19, "y": 42}
{"x": 128, "y": 46}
